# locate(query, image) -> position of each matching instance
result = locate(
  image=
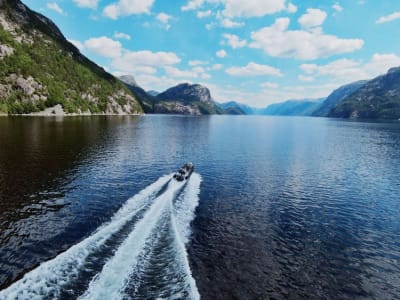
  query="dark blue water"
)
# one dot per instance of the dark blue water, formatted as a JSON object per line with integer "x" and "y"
{"x": 287, "y": 208}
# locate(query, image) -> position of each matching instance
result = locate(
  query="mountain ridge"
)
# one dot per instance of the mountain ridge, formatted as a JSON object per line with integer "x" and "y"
{"x": 40, "y": 69}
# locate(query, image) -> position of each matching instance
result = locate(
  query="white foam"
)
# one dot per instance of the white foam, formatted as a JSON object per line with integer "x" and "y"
{"x": 111, "y": 282}
{"x": 47, "y": 279}
{"x": 183, "y": 214}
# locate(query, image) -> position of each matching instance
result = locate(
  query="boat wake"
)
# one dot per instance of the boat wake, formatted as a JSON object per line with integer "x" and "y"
{"x": 139, "y": 254}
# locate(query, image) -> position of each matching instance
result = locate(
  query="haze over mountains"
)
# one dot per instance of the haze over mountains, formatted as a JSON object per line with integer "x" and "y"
{"x": 39, "y": 69}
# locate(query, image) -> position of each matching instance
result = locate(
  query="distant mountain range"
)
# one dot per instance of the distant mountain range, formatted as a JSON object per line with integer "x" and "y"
{"x": 378, "y": 98}
{"x": 304, "y": 107}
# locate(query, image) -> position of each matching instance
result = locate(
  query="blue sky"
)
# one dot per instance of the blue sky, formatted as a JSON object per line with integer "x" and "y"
{"x": 256, "y": 52}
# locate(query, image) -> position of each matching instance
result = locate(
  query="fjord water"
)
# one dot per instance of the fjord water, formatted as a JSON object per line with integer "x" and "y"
{"x": 278, "y": 208}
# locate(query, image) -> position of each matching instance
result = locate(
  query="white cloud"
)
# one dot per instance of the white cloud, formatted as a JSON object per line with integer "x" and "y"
{"x": 204, "y": 14}
{"x": 216, "y": 67}
{"x": 87, "y": 3}
{"x": 77, "y": 44}
{"x": 291, "y": 8}
{"x": 252, "y": 8}
{"x": 104, "y": 46}
{"x": 269, "y": 85}
{"x": 163, "y": 18}
{"x": 192, "y": 5}
{"x": 221, "y": 53}
{"x": 347, "y": 70}
{"x": 337, "y": 7}
{"x": 313, "y": 18}
{"x": 55, "y": 7}
{"x": 253, "y": 69}
{"x": 277, "y": 41}
{"x": 305, "y": 78}
{"x": 234, "y": 41}
{"x": 176, "y": 73}
{"x": 388, "y": 18}
{"x": 194, "y": 63}
{"x": 127, "y": 8}
{"x": 228, "y": 23}
{"x": 121, "y": 35}
{"x": 131, "y": 59}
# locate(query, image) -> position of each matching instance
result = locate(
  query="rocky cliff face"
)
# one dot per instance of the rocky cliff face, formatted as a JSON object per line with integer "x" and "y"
{"x": 186, "y": 92}
{"x": 187, "y": 98}
{"x": 377, "y": 98}
{"x": 39, "y": 68}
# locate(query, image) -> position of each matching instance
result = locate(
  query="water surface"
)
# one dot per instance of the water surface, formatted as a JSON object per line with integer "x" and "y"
{"x": 288, "y": 207}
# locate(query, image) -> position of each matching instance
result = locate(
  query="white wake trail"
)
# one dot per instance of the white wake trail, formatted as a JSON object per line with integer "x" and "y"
{"x": 112, "y": 281}
{"x": 46, "y": 281}
{"x": 183, "y": 214}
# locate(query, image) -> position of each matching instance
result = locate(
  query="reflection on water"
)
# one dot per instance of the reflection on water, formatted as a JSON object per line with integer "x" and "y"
{"x": 289, "y": 207}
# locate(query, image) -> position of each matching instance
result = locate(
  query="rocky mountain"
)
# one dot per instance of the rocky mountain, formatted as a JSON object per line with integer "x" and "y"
{"x": 185, "y": 98}
{"x": 145, "y": 99}
{"x": 336, "y": 96}
{"x": 39, "y": 68}
{"x": 304, "y": 107}
{"x": 378, "y": 98}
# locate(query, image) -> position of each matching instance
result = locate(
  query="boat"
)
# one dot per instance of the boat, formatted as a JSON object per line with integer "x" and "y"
{"x": 184, "y": 172}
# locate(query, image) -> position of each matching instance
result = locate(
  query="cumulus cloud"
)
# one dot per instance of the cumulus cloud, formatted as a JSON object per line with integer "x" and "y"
{"x": 104, "y": 46}
{"x": 127, "y": 8}
{"x": 240, "y": 8}
{"x": 221, "y": 53}
{"x": 305, "y": 78}
{"x": 204, "y": 14}
{"x": 86, "y": 3}
{"x": 228, "y": 23}
{"x": 277, "y": 41}
{"x": 253, "y": 69}
{"x": 234, "y": 41}
{"x": 131, "y": 59}
{"x": 252, "y": 8}
{"x": 348, "y": 70}
{"x": 291, "y": 8}
{"x": 269, "y": 85}
{"x": 192, "y": 5}
{"x": 164, "y": 18}
{"x": 337, "y": 7}
{"x": 55, "y": 7}
{"x": 121, "y": 35}
{"x": 313, "y": 18}
{"x": 194, "y": 63}
{"x": 388, "y": 18}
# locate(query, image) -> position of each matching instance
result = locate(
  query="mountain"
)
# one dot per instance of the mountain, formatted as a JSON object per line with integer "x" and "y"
{"x": 145, "y": 99}
{"x": 236, "y": 108}
{"x": 379, "y": 98}
{"x": 303, "y": 107}
{"x": 39, "y": 68}
{"x": 185, "y": 98}
{"x": 336, "y": 96}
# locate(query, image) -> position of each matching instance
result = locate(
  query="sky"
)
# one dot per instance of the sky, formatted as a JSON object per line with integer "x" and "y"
{"x": 256, "y": 52}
